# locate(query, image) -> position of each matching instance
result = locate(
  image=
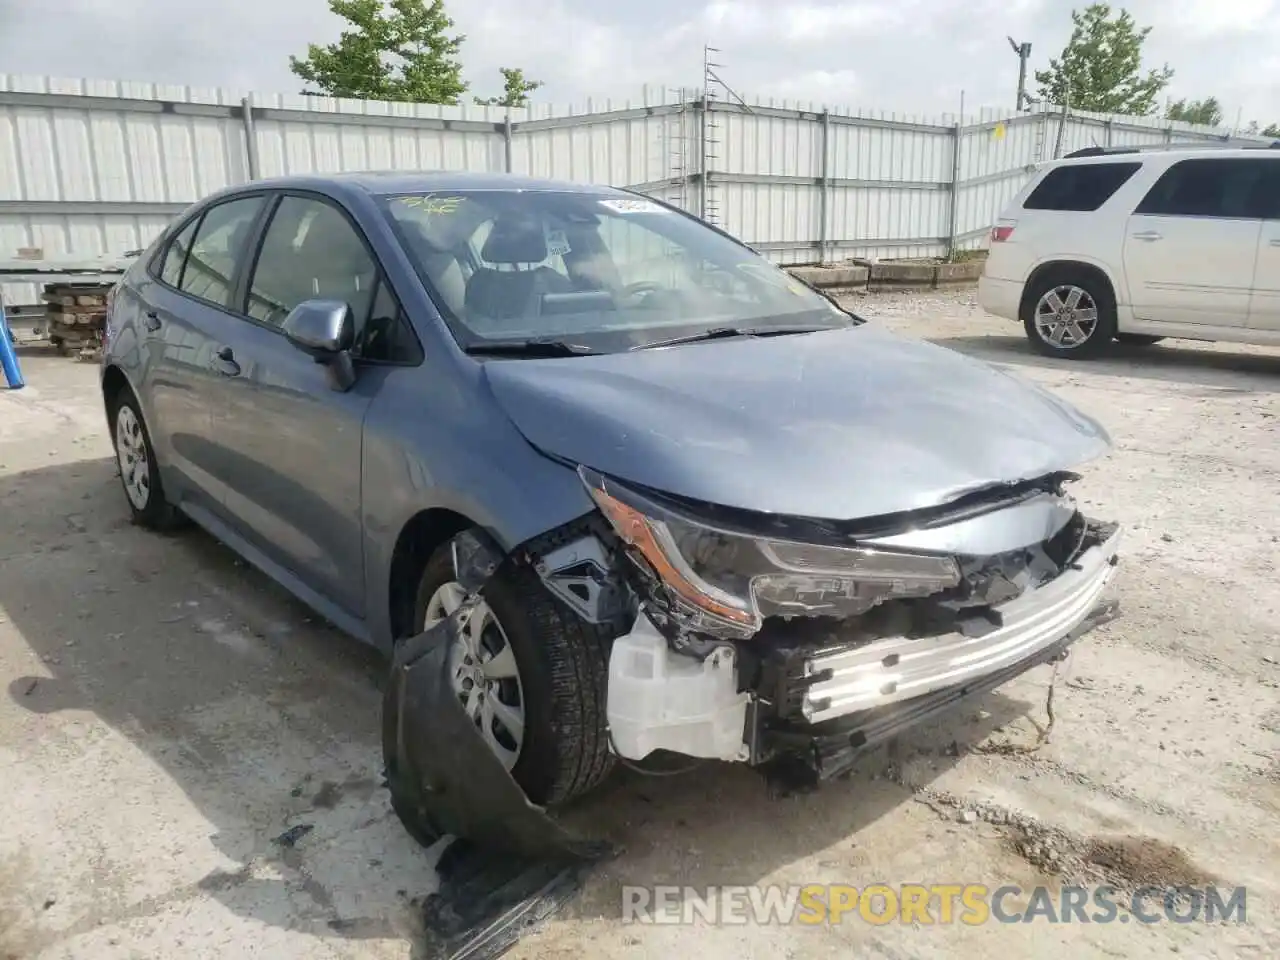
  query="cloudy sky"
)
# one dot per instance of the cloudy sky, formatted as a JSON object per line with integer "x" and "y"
{"x": 904, "y": 55}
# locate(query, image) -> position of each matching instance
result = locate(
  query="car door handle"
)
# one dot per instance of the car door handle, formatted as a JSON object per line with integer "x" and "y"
{"x": 1276, "y": 242}
{"x": 224, "y": 361}
{"x": 151, "y": 320}
{"x": 1148, "y": 235}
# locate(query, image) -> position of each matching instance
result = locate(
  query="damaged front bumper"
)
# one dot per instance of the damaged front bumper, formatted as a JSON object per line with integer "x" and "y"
{"x": 823, "y": 690}
{"x": 831, "y": 748}
{"x": 902, "y": 668}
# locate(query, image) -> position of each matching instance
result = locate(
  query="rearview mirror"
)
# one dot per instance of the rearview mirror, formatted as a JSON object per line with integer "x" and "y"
{"x": 326, "y": 330}
{"x": 322, "y": 328}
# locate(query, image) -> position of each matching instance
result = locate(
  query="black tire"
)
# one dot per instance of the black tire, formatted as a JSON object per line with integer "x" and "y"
{"x": 1137, "y": 339}
{"x": 1092, "y": 286}
{"x": 563, "y": 664}
{"x": 157, "y": 513}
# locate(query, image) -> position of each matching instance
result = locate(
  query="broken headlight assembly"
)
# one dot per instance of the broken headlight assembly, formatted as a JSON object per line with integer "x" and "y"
{"x": 724, "y": 583}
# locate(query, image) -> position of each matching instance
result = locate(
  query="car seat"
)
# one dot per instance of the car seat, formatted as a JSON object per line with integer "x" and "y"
{"x": 516, "y": 241}
{"x": 440, "y": 264}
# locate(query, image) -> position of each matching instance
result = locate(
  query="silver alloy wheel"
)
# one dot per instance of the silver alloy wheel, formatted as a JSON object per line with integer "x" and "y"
{"x": 1066, "y": 316}
{"x": 134, "y": 458}
{"x": 485, "y": 674}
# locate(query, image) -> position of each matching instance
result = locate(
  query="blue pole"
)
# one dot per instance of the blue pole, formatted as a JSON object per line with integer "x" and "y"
{"x": 8, "y": 358}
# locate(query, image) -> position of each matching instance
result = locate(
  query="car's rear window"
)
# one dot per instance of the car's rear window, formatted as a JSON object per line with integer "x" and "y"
{"x": 1080, "y": 187}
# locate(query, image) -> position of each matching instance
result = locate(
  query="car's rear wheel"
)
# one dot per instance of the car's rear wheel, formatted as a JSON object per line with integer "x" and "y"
{"x": 1137, "y": 339}
{"x": 531, "y": 675}
{"x": 1069, "y": 312}
{"x": 139, "y": 472}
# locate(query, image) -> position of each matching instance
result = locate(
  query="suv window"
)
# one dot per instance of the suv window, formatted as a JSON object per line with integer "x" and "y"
{"x": 175, "y": 255}
{"x": 1081, "y": 187}
{"x": 310, "y": 250}
{"x": 1233, "y": 187}
{"x": 218, "y": 249}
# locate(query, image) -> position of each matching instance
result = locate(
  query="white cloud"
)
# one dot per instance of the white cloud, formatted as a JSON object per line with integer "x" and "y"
{"x": 911, "y": 56}
{"x": 1205, "y": 19}
{"x": 821, "y": 86}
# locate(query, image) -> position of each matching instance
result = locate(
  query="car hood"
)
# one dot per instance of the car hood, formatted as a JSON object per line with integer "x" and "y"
{"x": 841, "y": 424}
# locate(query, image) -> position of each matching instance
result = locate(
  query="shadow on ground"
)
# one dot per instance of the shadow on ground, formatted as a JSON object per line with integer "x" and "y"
{"x": 1223, "y": 370}
{"x": 268, "y": 723}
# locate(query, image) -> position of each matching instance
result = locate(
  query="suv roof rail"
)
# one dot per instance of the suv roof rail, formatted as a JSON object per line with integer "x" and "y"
{"x": 1164, "y": 147}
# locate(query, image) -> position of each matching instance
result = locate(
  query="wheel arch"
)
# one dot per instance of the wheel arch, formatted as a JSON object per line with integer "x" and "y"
{"x": 420, "y": 536}
{"x": 113, "y": 382}
{"x": 1064, "y": 265}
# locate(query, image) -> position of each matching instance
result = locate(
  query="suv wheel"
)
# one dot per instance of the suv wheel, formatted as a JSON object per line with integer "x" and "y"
{"x": 1069, "y": 313}
{"x": 139, "y": 472}
{"x": 532, "y": 676}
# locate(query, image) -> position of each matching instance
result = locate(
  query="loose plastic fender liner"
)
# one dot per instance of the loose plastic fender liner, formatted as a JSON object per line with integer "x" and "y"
{"x": 510, "y": 864}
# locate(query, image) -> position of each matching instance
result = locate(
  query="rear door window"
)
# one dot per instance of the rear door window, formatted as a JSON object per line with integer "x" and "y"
{"x": 175, "y": 256}
{"x": 1081, "y": 187}
{"x": 1222, "y": 187}
{"x": 218, "y": 250}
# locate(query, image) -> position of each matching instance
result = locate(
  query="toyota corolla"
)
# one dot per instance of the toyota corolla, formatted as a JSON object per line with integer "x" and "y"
{"x": 735, "y": 521}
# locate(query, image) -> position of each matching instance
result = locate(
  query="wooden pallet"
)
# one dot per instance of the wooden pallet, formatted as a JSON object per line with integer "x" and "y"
{"x": 77, "y": 315}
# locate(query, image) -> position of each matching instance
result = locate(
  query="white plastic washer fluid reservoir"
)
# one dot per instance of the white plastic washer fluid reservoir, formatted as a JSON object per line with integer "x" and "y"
{"x": 662, "y": 700}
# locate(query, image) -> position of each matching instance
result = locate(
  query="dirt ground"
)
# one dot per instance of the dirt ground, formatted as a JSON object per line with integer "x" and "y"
{"x": 168, "y": 718}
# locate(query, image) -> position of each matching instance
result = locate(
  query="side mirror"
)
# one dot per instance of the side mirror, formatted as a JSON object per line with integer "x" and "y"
{"x": 326, "y": 330}
{"x": 321, "y": 328}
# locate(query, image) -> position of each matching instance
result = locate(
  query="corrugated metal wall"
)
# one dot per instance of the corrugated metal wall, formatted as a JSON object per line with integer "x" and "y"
{"x": 93, "y": 167}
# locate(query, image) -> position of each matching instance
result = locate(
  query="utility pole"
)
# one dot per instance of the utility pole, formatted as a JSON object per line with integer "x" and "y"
{"x": 1023, "y": 50}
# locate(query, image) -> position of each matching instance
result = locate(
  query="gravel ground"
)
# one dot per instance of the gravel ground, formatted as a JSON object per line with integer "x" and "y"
{"x": 172, "y": 722}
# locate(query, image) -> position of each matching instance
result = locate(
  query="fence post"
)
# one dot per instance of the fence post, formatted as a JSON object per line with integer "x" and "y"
{"x": 250, "y": 137}
{"x": 506, "y": 139}
{"x": 704, "y": 175}
{"x": 1062, "y": 127}
{"x": 1110, "y": 126}
{"x": 824, "y": 188}
{"x": 957, "y": 135}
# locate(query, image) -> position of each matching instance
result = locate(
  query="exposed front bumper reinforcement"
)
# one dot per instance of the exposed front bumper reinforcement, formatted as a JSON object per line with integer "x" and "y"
{"x": 831, "y": 749}
{"x": 900, "y": 669}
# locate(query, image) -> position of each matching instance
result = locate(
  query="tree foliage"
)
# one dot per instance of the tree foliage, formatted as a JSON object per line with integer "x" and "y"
{"x": 1272, "y": 131}
{"x": 399, "y": 50}
{"x": 1100, "y": 68}
{"x": 1207, "y": 112}
{"x": 516, "y": 88}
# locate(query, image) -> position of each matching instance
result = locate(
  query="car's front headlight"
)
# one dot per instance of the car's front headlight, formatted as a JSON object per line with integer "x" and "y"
{"x": 726, "y": 583}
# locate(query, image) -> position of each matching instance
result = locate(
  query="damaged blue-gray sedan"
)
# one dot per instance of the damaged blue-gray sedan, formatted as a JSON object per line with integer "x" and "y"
{"x": 731, "y": 520}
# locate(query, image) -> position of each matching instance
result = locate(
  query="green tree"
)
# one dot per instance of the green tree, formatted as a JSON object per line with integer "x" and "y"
{"x": 1207, "y": 112}
{"x": 399, "y": 50}
{"x": 1100, "y": 68}
{"x": 515, "y": 89}
{"x": 1251, "y": 128}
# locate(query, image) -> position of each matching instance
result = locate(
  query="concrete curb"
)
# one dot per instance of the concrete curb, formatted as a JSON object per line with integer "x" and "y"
{"x": 891, "y": 276}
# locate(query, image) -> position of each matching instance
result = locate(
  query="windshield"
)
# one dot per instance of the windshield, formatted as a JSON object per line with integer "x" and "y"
{"x": 599, "y": 271}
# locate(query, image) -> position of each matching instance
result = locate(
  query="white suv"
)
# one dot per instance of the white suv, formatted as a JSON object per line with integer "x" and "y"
{"x": 1138, "y": 245}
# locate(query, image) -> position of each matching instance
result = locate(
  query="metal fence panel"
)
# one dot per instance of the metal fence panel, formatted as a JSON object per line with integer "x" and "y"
{"x": 93, "y": 167}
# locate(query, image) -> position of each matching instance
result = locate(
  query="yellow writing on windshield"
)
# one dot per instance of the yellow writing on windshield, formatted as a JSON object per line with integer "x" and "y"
{"x": 432, "y": 204}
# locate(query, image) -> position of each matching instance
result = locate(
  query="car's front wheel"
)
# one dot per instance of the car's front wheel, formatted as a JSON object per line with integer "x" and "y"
{"x": 530, "y": 674}
{"x": 139, "y": 472}
{"x": 1069, "y": 313}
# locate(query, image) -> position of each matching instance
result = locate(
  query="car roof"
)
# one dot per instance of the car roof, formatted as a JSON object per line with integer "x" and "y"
{"x": 1129, "y": 155}
{"x": 392, "y": 182}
